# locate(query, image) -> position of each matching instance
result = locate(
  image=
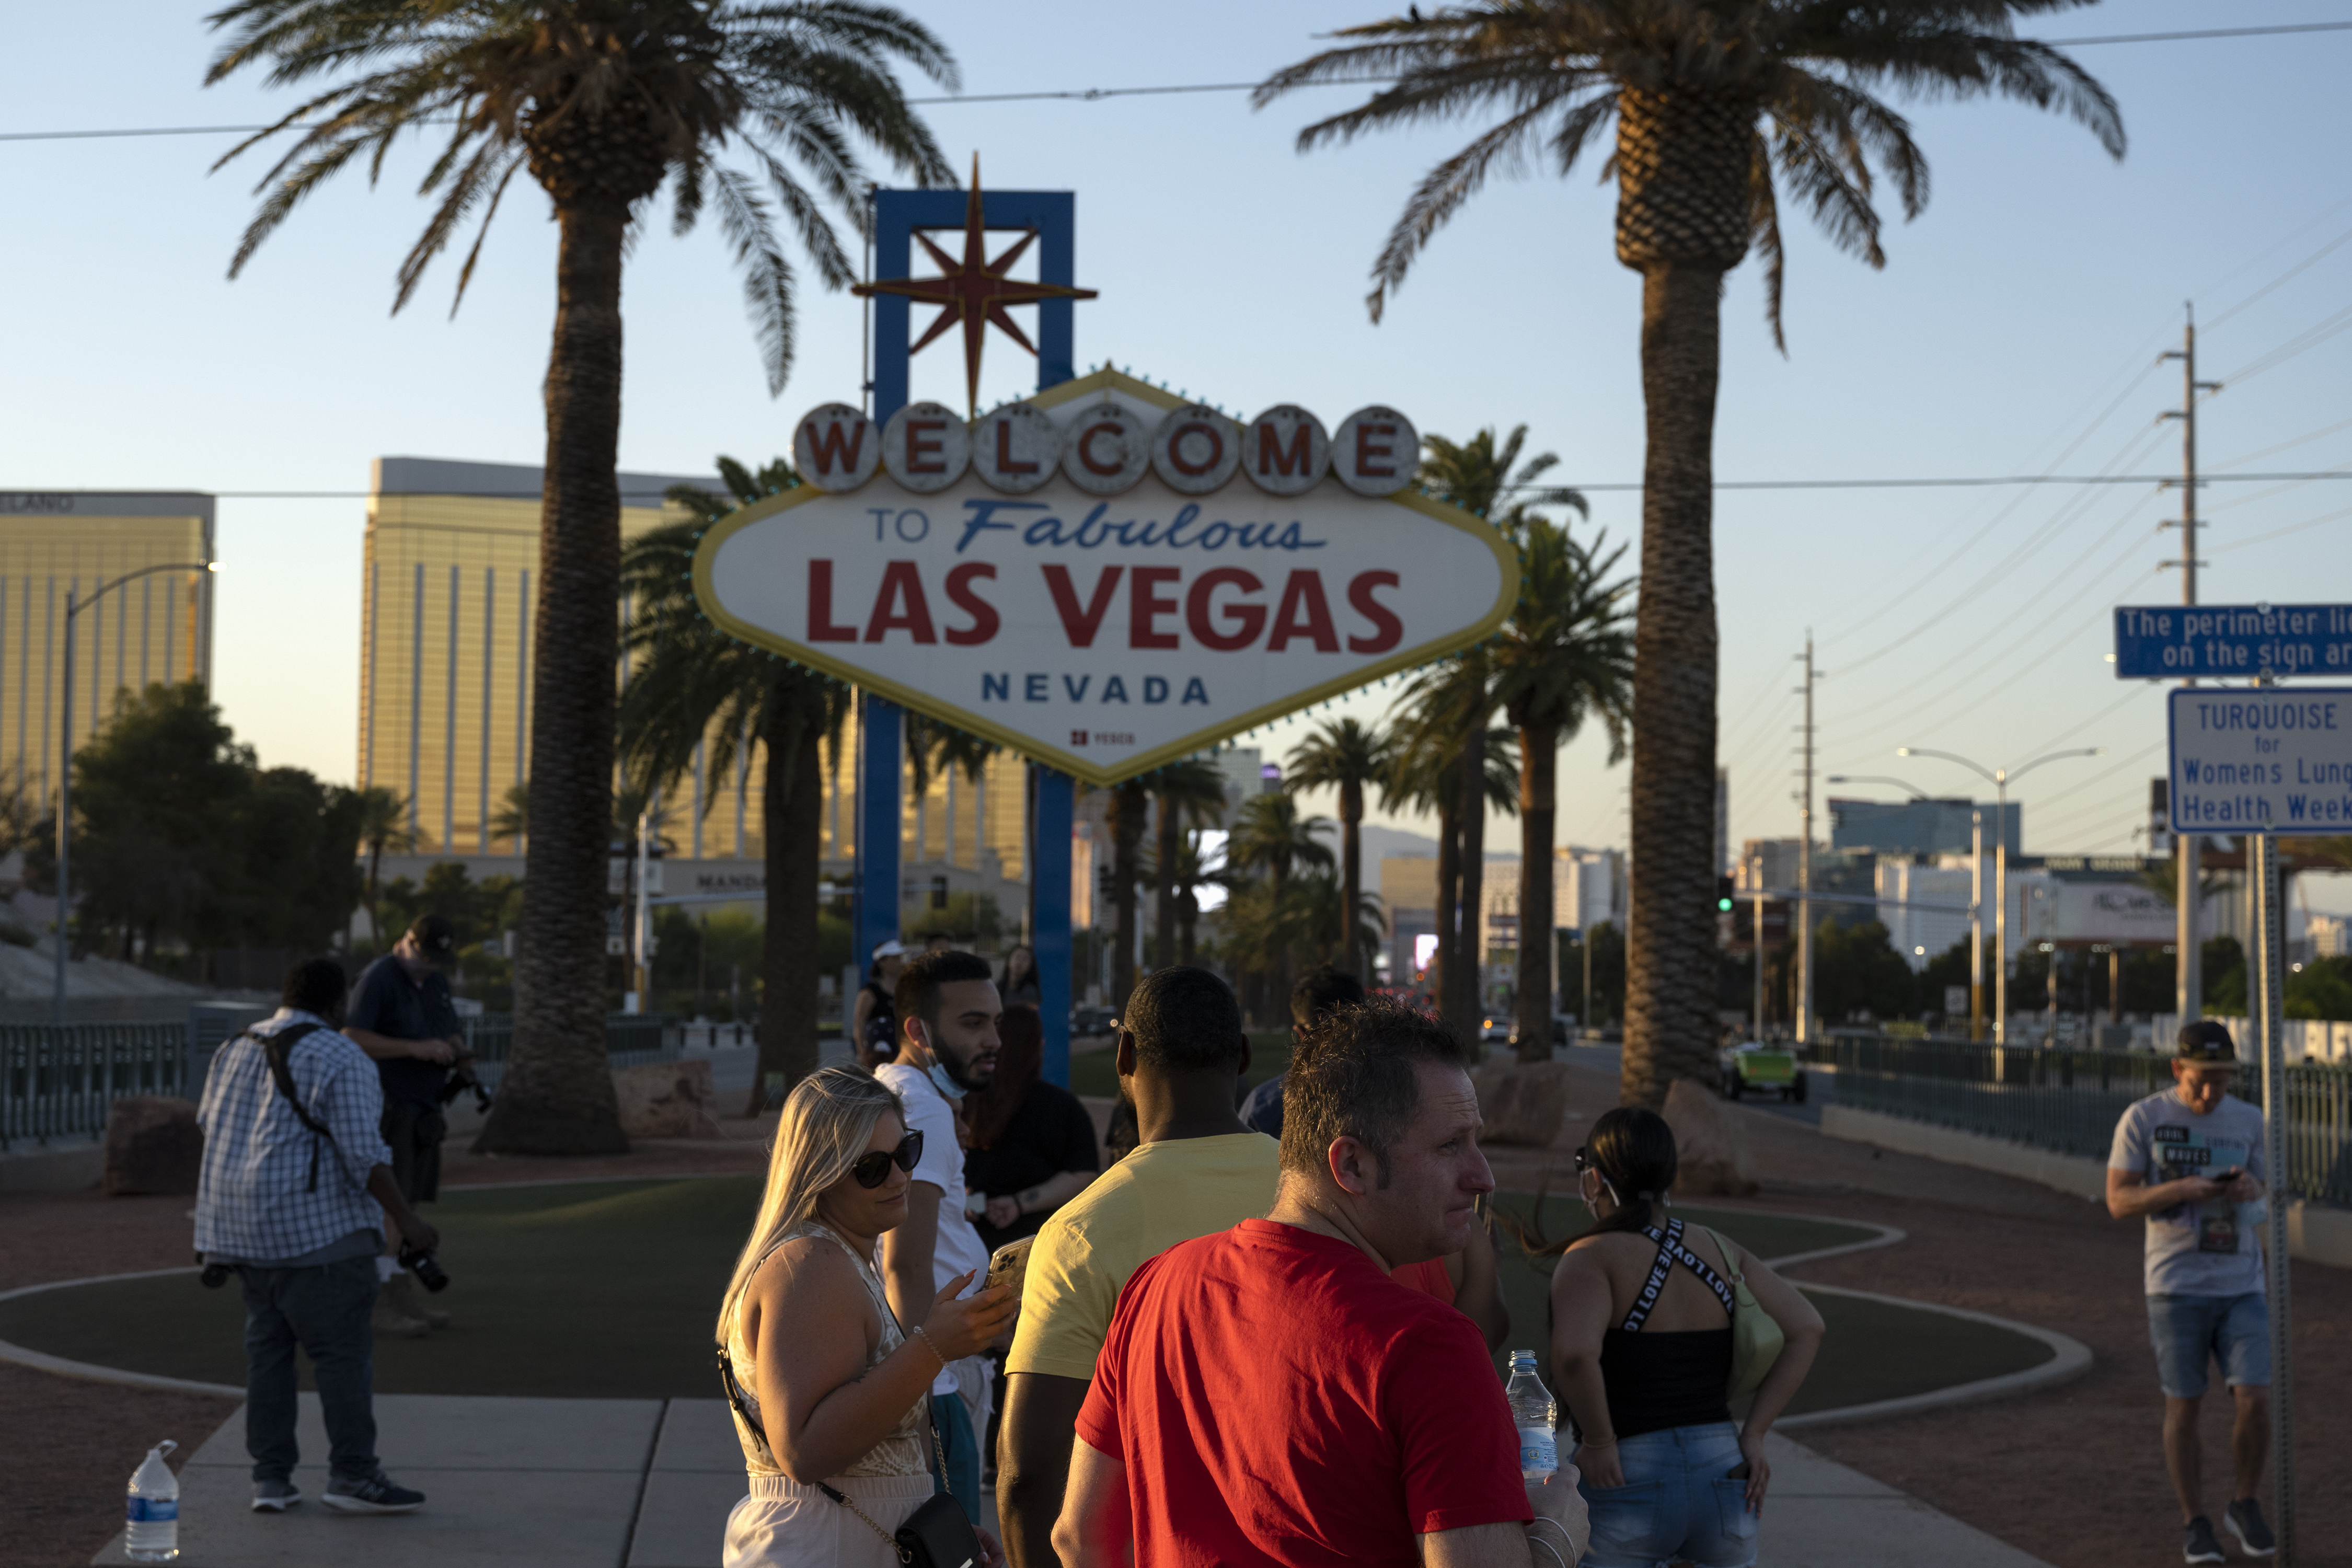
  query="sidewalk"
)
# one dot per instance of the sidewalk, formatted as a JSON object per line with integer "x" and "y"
{"x": 648, "y": 1483}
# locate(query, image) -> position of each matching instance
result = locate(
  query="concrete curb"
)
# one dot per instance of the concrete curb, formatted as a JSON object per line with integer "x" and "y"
{"x": 41, "y": 1361}
{"x": 2070, "y": 1358}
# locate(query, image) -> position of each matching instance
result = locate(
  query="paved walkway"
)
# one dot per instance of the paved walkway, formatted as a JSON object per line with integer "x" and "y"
{"x": 648, "y": 1483}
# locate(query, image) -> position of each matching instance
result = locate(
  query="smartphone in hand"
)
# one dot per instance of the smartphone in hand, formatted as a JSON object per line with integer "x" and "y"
{"x": 1010, "y": 1265}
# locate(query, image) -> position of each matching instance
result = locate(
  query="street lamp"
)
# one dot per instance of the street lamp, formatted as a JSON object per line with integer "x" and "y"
{"x": 64, "y": 763}
{"x": 1916, "y": 793}
{"x": 1999, "y": 778}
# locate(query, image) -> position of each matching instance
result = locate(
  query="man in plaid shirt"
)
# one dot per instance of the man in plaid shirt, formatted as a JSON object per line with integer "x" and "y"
{"x": 293, "y": 1196}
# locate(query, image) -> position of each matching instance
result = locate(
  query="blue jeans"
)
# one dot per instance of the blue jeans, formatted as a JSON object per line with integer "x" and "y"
{"x": 959, "y": 1452}
{"x": 325, "y": 1309}
{"x": 2188, "y": 1331}
{"x": 1679, "y": 1502}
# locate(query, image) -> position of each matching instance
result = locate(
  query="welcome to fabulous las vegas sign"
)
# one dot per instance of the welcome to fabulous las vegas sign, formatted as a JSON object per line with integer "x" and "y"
{"x": 1104, "y": 578}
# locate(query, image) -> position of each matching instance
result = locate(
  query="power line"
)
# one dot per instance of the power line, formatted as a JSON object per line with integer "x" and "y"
{"x": 1099, "y": 94}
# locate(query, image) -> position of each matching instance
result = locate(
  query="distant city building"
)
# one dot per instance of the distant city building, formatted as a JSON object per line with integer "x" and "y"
{"x": 449, "y": 602}
{"x": 1722, "y": 820}
{"x": 159, "y": 628}
{"x": 1587, "y": 890}
{"x": 2330, "y": 936}
{"x": 1917, "y": 826}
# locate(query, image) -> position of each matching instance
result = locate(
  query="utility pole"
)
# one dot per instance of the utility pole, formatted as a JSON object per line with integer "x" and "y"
{"x": 1976, "y": 925}
{"x": 2188, "y": 979}
{"x": 1755, "y": 935}
{"x": 1805, "y": 864}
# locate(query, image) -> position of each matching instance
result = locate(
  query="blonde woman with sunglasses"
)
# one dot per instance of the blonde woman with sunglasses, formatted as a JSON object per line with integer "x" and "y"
{"x": 830, "y": 1397}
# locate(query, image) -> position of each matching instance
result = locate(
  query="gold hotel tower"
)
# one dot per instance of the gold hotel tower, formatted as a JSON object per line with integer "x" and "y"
{"x": 55, "y": 543}
{"x": 449, "y": 585}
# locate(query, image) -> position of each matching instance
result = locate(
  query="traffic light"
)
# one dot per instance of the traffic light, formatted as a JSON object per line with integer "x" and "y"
{"x": 1724, "y": 901}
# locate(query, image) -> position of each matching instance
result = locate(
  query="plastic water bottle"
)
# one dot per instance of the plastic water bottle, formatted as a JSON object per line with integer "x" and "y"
{"x": 1534, "y": 1412}
{"x": 153, "y": 1509}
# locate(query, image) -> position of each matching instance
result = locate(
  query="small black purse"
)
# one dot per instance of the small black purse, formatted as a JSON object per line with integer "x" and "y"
{"x": 938, "y": 1535}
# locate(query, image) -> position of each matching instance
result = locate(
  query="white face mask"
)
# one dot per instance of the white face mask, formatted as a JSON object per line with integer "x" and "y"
{"x": 1588, "y": 1207}
{"x": 947, "y": 1086}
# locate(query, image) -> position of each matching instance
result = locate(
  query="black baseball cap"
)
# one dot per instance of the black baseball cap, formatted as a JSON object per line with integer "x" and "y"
{"x": 435, "y": 938}
{"x": 2207, "y": 1044}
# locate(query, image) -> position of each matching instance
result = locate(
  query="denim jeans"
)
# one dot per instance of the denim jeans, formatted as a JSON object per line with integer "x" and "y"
{"x": 325, "y": 1309}
{"x": 1679, "y": 1503}
{"x": 2190, "y": 1333}
{"x": 959, "y": 1452}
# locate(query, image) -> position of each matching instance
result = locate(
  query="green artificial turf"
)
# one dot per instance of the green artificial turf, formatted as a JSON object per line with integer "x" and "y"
{"x": 1096, "y": 1072}
{"x": 609, "y": 1289}
{"x": 604, "y": 1289}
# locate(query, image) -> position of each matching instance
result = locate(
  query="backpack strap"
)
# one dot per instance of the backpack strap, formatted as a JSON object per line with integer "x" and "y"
{"x": 277, "y": 1051}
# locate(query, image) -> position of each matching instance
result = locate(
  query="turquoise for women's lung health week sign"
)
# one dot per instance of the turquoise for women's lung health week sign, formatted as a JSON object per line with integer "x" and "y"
{"x": 2262, "y": 760}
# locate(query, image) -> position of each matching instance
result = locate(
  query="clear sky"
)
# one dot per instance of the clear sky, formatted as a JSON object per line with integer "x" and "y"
{"x": 2014, "y": 330}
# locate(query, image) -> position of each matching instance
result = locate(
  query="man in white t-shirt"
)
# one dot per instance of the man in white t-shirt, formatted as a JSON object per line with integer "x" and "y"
{"x": 948, "y": 1009}
{"x": 2189, "y": 1161}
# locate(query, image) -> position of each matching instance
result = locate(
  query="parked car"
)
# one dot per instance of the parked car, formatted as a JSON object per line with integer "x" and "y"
{"x": 1086, "y": 1021}
{"x": 1753, "y": 1066}
{"x": 1494, "y": 1030}
{"x": 1563, "y": 1031}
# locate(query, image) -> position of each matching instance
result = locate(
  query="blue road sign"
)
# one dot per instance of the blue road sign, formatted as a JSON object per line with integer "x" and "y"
{"x": 2220, "y": 641}
{"x": 2262, "y": 759}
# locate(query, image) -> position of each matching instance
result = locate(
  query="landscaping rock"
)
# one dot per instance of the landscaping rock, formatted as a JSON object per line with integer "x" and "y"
{"x": 1709, "y": 1141}
{"x": 1522, "y": 1104}
{"x": 153, "y": 1145}
{"x": 666, "y": 1099}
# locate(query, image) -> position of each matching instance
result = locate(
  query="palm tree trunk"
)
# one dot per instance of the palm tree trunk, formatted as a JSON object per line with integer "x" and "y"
{"x": 1669, "y": 959}
{"x": 1467, "y": 1005}
{"x": 1278, "y": 960}
{"x": 793, "y": 821}
{"x": 1538, "y": 805}
{"x": 1351, "y": 878}
{"x": 1170, "y": 847}
{"x": 557, "y": 1096}
{"x": 1188, "y": 918}
{"x": 1449, "y": 883}
{"x": 1126, "y": 812}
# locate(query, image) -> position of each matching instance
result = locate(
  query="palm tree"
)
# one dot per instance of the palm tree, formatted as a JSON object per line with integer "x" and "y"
{"x": 1191, "y": 791}
{"x": 1342, "y": 754}
{"x": 692, "y": 684}
{"x": 1131, "y": 805}
{"x": 1565, "y": 655}
{"x": 603, "y": 101}
{"x": 512, "y": 818}
{"x": 1317, "y": 897}
{"x": 383, "y": 829}
{"x": 1712, "y": 100}
{"x": 1480, "y": 476}
{"x": 1429, "y": 759}
{"x": 1269, "y": 835}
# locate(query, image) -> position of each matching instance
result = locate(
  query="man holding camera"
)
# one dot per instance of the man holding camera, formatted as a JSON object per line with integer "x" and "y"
{"x": 2189, "y": 1161}
{"x": 403, "y": 1016}
{"x": 293, "y": 1196}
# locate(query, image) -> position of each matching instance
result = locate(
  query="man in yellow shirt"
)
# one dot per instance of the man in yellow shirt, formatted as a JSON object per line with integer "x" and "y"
{"x": 1196, "y": 1171}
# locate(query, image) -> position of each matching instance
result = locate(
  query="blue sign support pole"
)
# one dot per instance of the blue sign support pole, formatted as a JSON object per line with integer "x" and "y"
{"x": 880, "y": 806}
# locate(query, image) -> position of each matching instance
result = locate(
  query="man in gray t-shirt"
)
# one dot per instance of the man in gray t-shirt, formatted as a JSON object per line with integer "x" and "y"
{"x": 2189, "y": 1162}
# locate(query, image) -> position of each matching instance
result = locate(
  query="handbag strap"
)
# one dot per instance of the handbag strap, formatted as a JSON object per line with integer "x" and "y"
{"x": 888, "y": 1539}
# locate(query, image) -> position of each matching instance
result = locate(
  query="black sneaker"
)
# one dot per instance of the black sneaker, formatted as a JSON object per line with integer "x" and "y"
{"x": 2245, "y": 1522}
{"x": 2198, "y": 1541}
{"x": 377, "y": 1494}
{"x": 275, "y": 1497}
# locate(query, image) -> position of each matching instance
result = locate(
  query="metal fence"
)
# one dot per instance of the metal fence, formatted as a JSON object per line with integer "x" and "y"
{"x": 631, "y": 1040}
{"x": 57, "y": 1084}
{"x": 2070, "y": 1100}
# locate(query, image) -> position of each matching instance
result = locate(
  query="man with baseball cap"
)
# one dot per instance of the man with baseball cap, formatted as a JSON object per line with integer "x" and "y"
{"x": 401, "y": 1015}
{"x": 2189, "y": 1161}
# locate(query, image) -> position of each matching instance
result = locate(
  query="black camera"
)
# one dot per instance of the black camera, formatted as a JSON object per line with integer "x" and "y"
{"x": 427, "y": 1269}
{"x": 214, "y": 1275}
{"x": 460, "y": 1080}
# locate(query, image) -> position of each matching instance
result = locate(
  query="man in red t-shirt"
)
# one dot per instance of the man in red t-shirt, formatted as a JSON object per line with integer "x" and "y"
{"x": 1269, "y": 1394}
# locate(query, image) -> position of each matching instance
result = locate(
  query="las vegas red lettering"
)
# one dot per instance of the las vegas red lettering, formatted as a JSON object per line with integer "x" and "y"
{"x": 1222, "y": 609}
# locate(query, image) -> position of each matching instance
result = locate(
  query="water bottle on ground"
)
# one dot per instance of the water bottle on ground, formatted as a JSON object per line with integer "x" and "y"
{"x": 153, "y": 1509}
{"x": 1533, "y": 1412}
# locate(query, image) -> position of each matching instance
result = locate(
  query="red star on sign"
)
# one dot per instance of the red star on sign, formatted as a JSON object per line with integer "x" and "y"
{"x": 974, "y": 292}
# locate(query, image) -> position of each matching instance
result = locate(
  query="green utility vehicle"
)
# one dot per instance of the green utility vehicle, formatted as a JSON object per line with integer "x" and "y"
{"x": 1754, "y": 1066}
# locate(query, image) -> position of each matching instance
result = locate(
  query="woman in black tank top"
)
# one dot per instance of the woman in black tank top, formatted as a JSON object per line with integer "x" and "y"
{"x": 1642, "y": 1354}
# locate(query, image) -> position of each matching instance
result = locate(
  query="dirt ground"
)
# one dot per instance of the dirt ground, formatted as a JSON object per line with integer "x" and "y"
{"x": 2072, "y": 1475}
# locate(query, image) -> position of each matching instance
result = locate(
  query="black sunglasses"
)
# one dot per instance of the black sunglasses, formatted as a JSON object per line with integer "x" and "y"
{"x": 1582, "y": 1164}
{"x": 870, "y": 1168}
